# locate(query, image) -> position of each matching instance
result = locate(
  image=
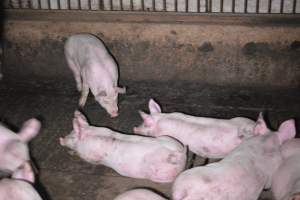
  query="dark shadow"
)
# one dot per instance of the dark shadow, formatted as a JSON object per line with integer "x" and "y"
{"x": 2, "y": 19}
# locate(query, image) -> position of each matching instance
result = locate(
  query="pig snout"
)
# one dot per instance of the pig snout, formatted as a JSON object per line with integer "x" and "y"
{"x": 114, "y": 114}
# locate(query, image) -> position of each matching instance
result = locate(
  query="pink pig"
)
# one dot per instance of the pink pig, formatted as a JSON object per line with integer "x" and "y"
{"x": 13, "y": 147}
{"x": 18, "y": 188}
{"x": 94, "y": 68}
{"x": 286, "y": 180}
{"x": 139, "y": 194}
{"x": 158, "y": 159}
{"x": 242, "y": 174}
{"x": 206, "y": 137}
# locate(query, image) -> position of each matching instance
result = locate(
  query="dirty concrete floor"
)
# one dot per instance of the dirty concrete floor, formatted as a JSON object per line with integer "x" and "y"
{"x": 65, "y": 177}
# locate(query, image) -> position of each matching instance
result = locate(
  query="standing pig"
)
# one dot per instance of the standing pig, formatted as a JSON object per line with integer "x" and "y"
{"x": 242, "y": 174}
{"x": 13, "y": 147}
{"x": 94, "y": 68}
{"x": 139, "y": 194}
{"x": 286, "y": 180}
{"x": 206, "y": 137}
{"x": 18, "y": 188}
{"x": 158, "y": 159}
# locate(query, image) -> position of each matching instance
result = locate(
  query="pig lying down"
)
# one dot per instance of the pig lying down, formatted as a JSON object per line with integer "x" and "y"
{"x": 242, "y": 174}
{"x": 286, "y": 180}
{"x": 158, "y": 159}
{"x": 18, "y": 188}
{"x": 206, "y": 137}
{"x": 13, "y": 147}
{"x": 95, "y": 69}
{"x": 139, "y": 194}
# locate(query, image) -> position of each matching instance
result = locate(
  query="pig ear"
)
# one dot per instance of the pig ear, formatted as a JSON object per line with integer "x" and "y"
{"x": 29, "y": 130}
{"x": 102, "y": 93}
{"x": 24, "y": 173}
{"x": 154, "y": 107}
{"x": 121, "y": 90}
{"x": 260, "y": 126}
{"x": 79, "y": 123}
{"x": 286, "y": 131}
{"x": 148, "y": 119}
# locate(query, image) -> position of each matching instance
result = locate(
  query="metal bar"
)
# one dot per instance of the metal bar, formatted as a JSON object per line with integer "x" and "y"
{"x": 111, "y": 5}
{"x": 270, "y": 6}
{"x": 30, "y": 4}
{"x": 233, "y": 6}
{"x": 209, "y": 5}
{"x": 131, "y": 5}
{"x": 20, "y": 4}
{"x": 198, "y": 6}
{"x": 153, "y": 5}
{"x": 49, "y": 4}
{"x": 121, "y": 5}
{"x": 221, "y": 5}
{"x": 79, "y": 4}
{"x": 164, "y": 5}
{"x": 176, "y": 5}
{"x": 294, "y": 6}
{"x": 90, "y": 4}
{"x": 143, "y": 5}
{"x": 257, "y": 6}
{"x": 39, "y": 4}
{"x": 246, "y": 6}
{"x": 206, "y": 5}
{"x": 101, "y": 5}
{"x": 186, "y": 5}
{"x": 281, "y": 6}
{"x": 58, "y": 4}
{"x": 68, "y": 4}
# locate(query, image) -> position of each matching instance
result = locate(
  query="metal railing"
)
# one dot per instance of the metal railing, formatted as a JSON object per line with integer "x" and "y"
{"x": 189, "y": 6}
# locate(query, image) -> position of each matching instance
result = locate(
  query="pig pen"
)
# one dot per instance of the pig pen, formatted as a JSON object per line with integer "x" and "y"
{"x": 207, "y": 58}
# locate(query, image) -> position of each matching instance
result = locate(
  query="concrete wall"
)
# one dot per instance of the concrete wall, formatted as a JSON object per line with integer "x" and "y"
{"x": 222, "y": 52}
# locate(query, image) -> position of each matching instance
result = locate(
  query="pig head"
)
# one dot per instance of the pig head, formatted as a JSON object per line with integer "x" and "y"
{"x": 14, "y": 149}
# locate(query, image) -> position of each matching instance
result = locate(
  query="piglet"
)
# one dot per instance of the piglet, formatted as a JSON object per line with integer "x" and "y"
{"x": 13, "y": 147}
{"x": 158, "y": 159}
{"x": 94, "y": 68}
{"x": 243, "y": 173}
{"x": 286, "y": 180}
{"x": 206, "y": 137}
{"x": 139, "y": 194}
{"x": 18, "y": 187}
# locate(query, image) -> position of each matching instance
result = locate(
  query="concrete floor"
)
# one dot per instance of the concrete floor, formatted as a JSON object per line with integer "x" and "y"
{"x": 65, "y": 177}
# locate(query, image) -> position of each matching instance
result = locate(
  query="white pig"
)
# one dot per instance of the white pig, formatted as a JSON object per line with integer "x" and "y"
{"x": 139, "y": 194}
{"x": 206, "y": 137}
{"x": 13, "y": 147}
{"x": 158, "y": 159}
{"x": 94, "y": 68}
{"x": 242, "y": 174}
{"x": 18, "y": 188}
{"x": 286, "y": 180}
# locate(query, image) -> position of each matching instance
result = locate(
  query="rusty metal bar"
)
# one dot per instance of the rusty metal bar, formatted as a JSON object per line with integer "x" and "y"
{"x": 198, "y": 6}
{"x": 233, "y": 6}
{"x": 209, "y": 5}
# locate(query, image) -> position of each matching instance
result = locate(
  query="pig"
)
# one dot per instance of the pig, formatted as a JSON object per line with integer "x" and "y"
{"x": 206, "y": 137}
{"x": 139, "y": 194}
{"x": 286, "y": 180}
{"x": 157, "y": 159}
{"x": 94, "y": 69}
{"x": 243, "y": 173}
{"x": 19, "y": 187}
{"x": 13, "y": 147}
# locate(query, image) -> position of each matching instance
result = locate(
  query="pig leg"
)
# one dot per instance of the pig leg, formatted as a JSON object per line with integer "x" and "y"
{"x": 76, "y": 73}
{"x": 85, "y": 90}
